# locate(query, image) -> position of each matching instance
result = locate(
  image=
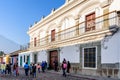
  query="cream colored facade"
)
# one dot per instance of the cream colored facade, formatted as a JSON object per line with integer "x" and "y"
{"x": 68, "y": 32}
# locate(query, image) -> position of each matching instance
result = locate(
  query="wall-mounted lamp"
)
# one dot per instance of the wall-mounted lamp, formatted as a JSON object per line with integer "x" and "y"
{"x": 118, "y": 13}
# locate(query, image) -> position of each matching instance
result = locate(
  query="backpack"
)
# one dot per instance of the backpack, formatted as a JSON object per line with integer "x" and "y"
{"x": 64, "y": 65}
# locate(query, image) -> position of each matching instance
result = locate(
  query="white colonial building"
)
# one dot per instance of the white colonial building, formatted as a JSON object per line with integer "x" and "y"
{"x": 84, "y": 32}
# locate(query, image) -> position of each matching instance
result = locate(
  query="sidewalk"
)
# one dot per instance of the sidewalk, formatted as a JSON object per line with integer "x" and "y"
{"x": 82, "y": 76}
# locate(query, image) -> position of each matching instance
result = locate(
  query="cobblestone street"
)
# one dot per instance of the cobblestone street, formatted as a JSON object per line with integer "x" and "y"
{"x": 41, "y": 76}
{"x": 50, "y": 75}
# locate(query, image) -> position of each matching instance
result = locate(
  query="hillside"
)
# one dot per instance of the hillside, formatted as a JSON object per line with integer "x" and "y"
{"x": 7, "y": 45}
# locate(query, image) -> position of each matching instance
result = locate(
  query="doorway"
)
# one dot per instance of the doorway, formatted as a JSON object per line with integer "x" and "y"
{"x": 35, "y": 58}
{"x": 53, "y": 57}
{"x": 20, "y": 60}
{"x": 28, "y": 59}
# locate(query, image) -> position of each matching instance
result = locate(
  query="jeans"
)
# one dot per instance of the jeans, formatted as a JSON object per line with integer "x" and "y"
{"x": 34, "y": 74}
{"x": 26, "y": 72}
{"x": 39, "y": 70}
{"x": 64, "y": 72}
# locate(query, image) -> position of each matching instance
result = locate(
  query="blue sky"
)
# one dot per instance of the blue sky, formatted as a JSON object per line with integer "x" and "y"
{"x": 17, "y": 15}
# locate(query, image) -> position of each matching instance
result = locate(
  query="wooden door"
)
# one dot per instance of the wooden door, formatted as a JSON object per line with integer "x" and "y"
{"x": 53, "y": 57}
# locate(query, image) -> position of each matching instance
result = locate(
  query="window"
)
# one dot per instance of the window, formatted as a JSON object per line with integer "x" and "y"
{"x": 90, "y": 57}
{"x": 35, "y": 41}
{"x": 90, "y": 22}
{"x": 53, "y": 35}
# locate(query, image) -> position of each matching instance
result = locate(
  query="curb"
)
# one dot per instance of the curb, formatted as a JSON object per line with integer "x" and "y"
{"x": 72, "y": 75}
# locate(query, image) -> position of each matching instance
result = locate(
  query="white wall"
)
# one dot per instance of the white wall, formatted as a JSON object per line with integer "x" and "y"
{"x": 70, "y": 53}
{"x": 22, "y": 54}
{"x": 112, "y": 53}
{"x": 115, "y": 5}
{"x": 31, "y": 58}
{"x": 42, "y": 56}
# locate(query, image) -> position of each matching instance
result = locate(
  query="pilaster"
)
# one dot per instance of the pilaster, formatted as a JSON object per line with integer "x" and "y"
{"x": 105, "y": 7}
{"x": 77, "y": 25}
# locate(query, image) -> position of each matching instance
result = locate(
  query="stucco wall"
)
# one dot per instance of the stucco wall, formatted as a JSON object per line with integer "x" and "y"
{"x": 112, "y": 53}
{"x": 42, "y": 56}
{"x": 70, "y": 53}
{"x": 115, "y": 5}
{"x": 22, "y": 54}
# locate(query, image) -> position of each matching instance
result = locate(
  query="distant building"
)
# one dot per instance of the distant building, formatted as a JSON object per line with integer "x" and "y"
{"x": 85, "y": 32}
{"x": 14, "y": 55}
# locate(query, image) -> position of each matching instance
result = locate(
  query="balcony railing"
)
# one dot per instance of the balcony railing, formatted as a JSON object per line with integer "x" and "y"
{"x": 101, "y": 23}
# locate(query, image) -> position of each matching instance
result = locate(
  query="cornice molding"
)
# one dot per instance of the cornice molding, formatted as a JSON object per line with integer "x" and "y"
{"x": 58, "y": 12}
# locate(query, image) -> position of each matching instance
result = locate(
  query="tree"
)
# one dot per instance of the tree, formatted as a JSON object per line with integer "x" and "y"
{"x": 2, "y": 53}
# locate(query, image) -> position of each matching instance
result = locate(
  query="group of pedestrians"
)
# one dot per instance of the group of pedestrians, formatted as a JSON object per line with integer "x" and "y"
{"x": 30, "y": 69}
{"x": 33, "y": 68}
{"x": 7, "y": 69}
{"x": 65, "y": 67}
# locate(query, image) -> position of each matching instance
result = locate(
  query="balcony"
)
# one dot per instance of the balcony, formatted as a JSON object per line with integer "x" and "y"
{"x": 78, "y": 33}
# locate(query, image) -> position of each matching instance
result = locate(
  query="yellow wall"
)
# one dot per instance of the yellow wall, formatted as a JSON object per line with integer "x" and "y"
{"x": 7, "y": 59}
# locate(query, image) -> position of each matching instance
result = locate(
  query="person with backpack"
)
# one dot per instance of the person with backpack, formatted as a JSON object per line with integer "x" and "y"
{"x": 64, "y": 67}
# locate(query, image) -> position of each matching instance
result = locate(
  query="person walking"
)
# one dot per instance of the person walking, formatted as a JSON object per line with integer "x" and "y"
{"x": 30, "y": 67}
{"x": 56, "y": 65}
{"x": 68, "y": 67}
{"x": 9, "y": 68}
{"x": 34, "y": 70}
{"x": 14, "y": 69}
{"x": 17, "y": 70}
{"x": 38, "y": 67}
{"x": 43, "y": 66}
{"x": 64, "y": 67}
{"x": 26, "y": 67}
{"x": 3, "y": 67}
{"x": 46, "y": 65}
